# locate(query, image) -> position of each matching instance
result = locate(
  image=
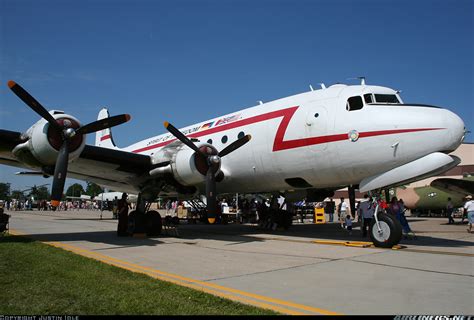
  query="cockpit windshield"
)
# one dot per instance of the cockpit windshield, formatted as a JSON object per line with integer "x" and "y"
{"x": 386, "y": 98}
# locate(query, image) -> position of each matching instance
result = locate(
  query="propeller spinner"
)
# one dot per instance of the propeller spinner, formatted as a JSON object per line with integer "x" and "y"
{"x": 67, "y": 132}
{"x": 213, "y": 164}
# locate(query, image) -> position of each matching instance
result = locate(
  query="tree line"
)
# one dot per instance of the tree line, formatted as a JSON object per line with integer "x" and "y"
{"x": 43, "y": 193}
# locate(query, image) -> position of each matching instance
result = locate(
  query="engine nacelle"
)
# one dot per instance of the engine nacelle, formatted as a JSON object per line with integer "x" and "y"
{"x": 185, "y": 165}
{"x": 44, "y": 142}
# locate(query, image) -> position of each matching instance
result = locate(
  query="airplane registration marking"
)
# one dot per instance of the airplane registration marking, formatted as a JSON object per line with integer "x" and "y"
{"x": 211, "y": 288}
{"x": 279, "y": 143}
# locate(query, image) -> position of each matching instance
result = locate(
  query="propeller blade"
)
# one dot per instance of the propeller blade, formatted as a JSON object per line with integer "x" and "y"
{"x": 103, "y": 124}
{"x": 60, "y": 172}
{"x": 211, "y": 196}
{"x": 234, "y": 145}
{"x": 181, "y": 137}
{"x": 33, "y": 103}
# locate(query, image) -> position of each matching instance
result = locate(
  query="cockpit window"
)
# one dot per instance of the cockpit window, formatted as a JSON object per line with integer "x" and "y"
{"x": 386, "y": 98}
{"x": 368, "y": 98}
{"x": 354, "y": 103}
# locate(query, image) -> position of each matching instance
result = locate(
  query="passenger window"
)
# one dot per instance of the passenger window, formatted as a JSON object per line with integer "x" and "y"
{"x": 368, "y": 98}
{"x": 354, "y": 103}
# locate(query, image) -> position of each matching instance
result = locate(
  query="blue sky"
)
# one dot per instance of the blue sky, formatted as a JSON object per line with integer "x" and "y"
{"x": 188, "y": 61}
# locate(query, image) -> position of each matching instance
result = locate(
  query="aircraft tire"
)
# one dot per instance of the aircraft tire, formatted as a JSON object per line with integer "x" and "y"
{"x": 391, "y": 231}
{"x": 154, "y": 223}
{"x": 286, "y": 219}
{"x": 131, "y": 222}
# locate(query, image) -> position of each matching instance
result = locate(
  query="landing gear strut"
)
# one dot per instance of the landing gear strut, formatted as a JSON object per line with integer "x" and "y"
{"x": 351, "y": 191}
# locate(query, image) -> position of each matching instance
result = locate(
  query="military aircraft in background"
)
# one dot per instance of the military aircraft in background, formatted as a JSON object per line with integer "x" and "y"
{"x": 463, "y": 186}
{"x": 303, "y": 146}
{"x": 431, "y": 200}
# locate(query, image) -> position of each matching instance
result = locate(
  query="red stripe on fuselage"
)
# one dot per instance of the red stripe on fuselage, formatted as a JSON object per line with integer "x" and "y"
{"x": 105, "y": 137}
{"x": 279, "y": 142}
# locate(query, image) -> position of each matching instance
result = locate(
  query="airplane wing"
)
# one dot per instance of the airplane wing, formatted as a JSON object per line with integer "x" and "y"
{"x": 462, "y": 186}
{"x": 110, "y": 167}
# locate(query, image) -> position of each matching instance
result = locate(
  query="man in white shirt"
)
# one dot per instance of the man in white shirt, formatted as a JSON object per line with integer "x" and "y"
{"x": 469, "y": 208}
{"x": 343, "y": 208}
{"x": 224, "y": 207}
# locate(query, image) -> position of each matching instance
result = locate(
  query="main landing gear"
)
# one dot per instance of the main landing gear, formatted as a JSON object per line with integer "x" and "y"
{"x": 142, "y": 220}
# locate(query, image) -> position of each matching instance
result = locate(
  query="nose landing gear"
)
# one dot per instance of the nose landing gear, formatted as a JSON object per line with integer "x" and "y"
{"x": 385, "y": 231}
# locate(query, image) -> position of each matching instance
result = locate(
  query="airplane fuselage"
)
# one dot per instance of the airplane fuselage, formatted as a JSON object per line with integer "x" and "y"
{"x": 312, "y": 140}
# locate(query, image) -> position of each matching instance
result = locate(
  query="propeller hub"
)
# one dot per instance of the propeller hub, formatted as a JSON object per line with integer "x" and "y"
{"x": 214, "y": 160}
{"x": 69, "y": 133}
{"x": 202, "y": 162}
{"x": 56, "y": 137}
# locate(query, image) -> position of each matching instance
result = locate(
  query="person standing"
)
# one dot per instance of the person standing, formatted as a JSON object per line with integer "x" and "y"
{"x": 342, "y": 212}
{"x": 329, "y": 208}
{"x": 253, "y": 210}
{"x": 469, "y": 209}
{"x": 349, "y": 224}
{"x": 123, "y": 206}
{"x": 115, "y": 208}
{"x": 449, "y": 211}
{"x": 396, "y": 208}
{"x": 224, "y": 207}
{"x": 367, "y": 210}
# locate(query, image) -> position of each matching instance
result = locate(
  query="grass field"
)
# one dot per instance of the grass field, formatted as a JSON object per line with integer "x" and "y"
{"x": 39, "y": 279}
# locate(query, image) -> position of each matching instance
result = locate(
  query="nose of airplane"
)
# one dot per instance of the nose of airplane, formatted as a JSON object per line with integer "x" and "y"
{"x": 456, "y": 128}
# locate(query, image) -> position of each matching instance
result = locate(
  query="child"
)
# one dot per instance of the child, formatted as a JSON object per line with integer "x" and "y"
{"x": 349, "y": 224}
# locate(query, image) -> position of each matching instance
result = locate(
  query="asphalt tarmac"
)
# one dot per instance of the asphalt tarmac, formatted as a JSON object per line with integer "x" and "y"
{"x": 310, "y": 269}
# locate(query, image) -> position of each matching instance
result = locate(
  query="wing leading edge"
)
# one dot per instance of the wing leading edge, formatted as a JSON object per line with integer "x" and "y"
{"x": 102, "y": 165}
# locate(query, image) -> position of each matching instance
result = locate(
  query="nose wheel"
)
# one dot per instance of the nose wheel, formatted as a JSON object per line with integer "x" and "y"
{"x": 386, "y": 232}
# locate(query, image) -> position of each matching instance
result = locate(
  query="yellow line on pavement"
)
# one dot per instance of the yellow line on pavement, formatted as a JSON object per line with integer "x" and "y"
{"x": 359, "y": 244}
{"x": 215, "y": 289}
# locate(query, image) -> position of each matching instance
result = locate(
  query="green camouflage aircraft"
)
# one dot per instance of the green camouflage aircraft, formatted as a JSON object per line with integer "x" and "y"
{"x": 432, "y": 200}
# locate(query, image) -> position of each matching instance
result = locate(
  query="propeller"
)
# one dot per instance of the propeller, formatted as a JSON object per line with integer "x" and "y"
{"x": 213, "y": 162}
{"x": 67, "y": 131}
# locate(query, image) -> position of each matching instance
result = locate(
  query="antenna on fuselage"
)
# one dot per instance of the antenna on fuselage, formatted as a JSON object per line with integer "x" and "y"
{"x": 323, "y": 86}
{"x": 260, "y": 102}
{"x": 362, "y": 80}
{"x": 311, "y": 87}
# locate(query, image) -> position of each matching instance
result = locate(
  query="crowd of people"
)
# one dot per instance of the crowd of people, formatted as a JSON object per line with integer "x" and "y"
{"x": 365, "y": 211}
{"x": 44, "y": 205}
{"x": 257, "y": 210}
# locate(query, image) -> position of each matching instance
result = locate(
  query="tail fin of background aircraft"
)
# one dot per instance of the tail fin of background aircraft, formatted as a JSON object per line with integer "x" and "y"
{"x": 103, "y": 138}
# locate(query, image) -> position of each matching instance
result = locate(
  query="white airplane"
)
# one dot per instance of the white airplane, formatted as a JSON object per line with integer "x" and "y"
{"x": 306, "y": 145}
{"x": 110, "y": 196}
